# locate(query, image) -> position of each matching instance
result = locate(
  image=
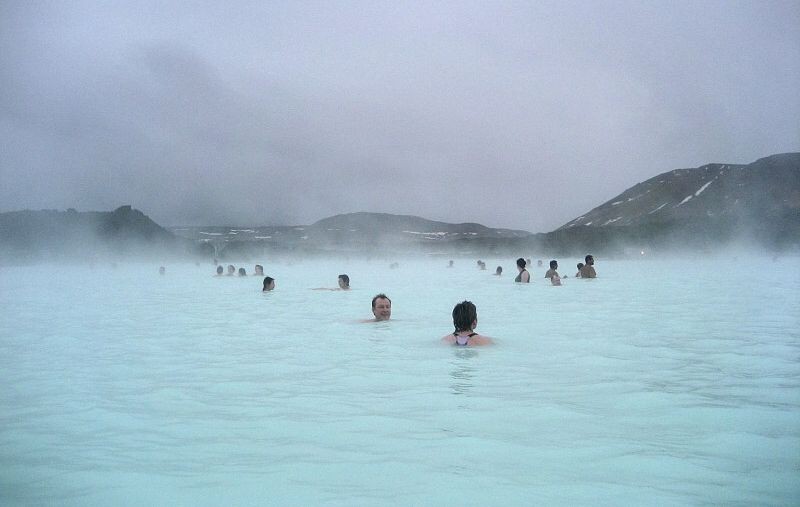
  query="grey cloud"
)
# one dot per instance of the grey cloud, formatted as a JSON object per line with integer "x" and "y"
{"x": 514, "y": 115}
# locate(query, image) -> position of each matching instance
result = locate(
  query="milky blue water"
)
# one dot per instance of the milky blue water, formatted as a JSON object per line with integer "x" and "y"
{"x": 659, "y": 383}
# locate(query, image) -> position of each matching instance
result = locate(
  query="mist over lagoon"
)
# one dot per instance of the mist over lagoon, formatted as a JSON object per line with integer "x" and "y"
{"x": 670, "y": 379}
{"x": 144, "y": 143}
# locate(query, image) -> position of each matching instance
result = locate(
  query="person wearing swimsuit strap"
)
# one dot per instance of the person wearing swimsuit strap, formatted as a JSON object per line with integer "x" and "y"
{"x": 463, "y": 340}
{"x": 523, "y": 276}
{"x": 465, "y": 320}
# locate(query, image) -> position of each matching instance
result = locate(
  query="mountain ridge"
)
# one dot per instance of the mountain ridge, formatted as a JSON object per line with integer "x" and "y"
{"x": 705, "y": 207}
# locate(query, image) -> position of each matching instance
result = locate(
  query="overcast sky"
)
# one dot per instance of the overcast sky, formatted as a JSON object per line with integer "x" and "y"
{"x": 511, "y": 114}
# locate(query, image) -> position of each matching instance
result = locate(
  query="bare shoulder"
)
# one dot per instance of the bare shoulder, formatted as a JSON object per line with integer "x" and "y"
{"x": 448, "y": 338}
{"x": 479, "y": 339}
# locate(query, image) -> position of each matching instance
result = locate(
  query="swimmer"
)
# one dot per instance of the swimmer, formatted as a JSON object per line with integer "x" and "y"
{"x": 552, "y": 271}
{"x": 465, "y": 320}
{"x": 556, "y": 280}
{"x": 381, "y": 308}
{"x": 528, "y": 262}
{"x": 523, "y": 276}
{"x": 538, "y": 263}
{"x": 450, "y": 264}
{"x": 580, "y": 266}
{"x": 343, "y": 281}
{"x": 231, "y": 270}
{"x": 219, "y": 271}
{"x": 242, "y": 272}
{"x": 498, "y": 271}
{"x": 587, "y": 271}
{"x": 259, "y": 270}
{"x": 162, "y": 270}
{"x": 269, "y": 284}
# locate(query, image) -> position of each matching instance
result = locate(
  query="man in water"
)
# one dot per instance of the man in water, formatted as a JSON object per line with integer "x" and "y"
{"x": 552, "y": 271}
{"x": 587, "y": 271}
{"x": 580, "y": 266}
{"x": 269, "y": 284}
{"x": 259, "y": 270}
{"x": 344, "y": 284}
{"x": 381, "y": 308}
{"x": 219, "y": 270}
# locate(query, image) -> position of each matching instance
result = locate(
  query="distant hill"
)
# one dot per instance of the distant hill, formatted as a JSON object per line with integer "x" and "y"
{"x": 712, "y": 205}
{"x": 357, "y": 233}
{"x": 767, "y": 188}
{"x": 700, "y": 209}
{"x": 51, "y": 234}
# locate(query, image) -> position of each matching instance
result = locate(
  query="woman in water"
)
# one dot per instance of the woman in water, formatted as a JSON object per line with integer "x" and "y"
{"x": 269, "y": 284}
{"x": 465, "y": 320}
{"x": 523, "y": 275}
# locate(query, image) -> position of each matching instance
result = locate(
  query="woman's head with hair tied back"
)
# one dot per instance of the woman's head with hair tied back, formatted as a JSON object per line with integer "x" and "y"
{"x": 464, "y": 316}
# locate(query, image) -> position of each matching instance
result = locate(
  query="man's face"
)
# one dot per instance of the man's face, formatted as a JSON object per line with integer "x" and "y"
{"x": 342, "y": 284}
{"x": 590, "y": 261}
{"x": 382, "y": 309}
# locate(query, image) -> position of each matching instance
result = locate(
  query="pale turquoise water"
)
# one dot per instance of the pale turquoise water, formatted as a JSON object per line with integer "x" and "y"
{"x": 656, "y": 384}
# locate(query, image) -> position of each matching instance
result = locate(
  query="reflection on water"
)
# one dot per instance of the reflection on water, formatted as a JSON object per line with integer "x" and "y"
{"x": 463, "y": 371}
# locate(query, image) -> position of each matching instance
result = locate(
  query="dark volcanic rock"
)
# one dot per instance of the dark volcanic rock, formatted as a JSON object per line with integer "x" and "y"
{"x": 712, "y": 206}
{"x": 767, "y": 188}
{"x": 50, "y": 234}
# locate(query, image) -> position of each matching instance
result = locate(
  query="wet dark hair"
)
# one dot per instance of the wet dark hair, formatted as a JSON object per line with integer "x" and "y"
{"x": 380, "y": 296}
{"x": 586, "y": 259}
{"x": 580, "y": 265}
{"x": 521, "y": 263}
{"x": 464, "y": 314}
{"x": 345, "y": 279}
{"x": 553, "y": 264}
{"x": 242, "y": 272}
{"x": 499, "y": 270}
{"x": 267, "y": 280}
{"x": 259, "y": 266}
{"x": 219, "y": 270}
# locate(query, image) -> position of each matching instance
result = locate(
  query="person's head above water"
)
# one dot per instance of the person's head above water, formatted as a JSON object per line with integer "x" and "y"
{"x": 521, "y": 263}
{"x": 580, "y": 265}
{"x": 344, "y": 282}
{"x": 269, "y": 284}
{"x": 162, "y": 270}
{"x": 219, "y": 270}
{"x": 382, "y": 307}
{"x": 589, "y": 260}
{"x": 231, "y": 269}
{"x": 554, "y": 264}
{"x": 465, "y": 316}
{"x": 499, "y": 270}
{"x": 259, "y": 269}
{"x": 242, "y": 272}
